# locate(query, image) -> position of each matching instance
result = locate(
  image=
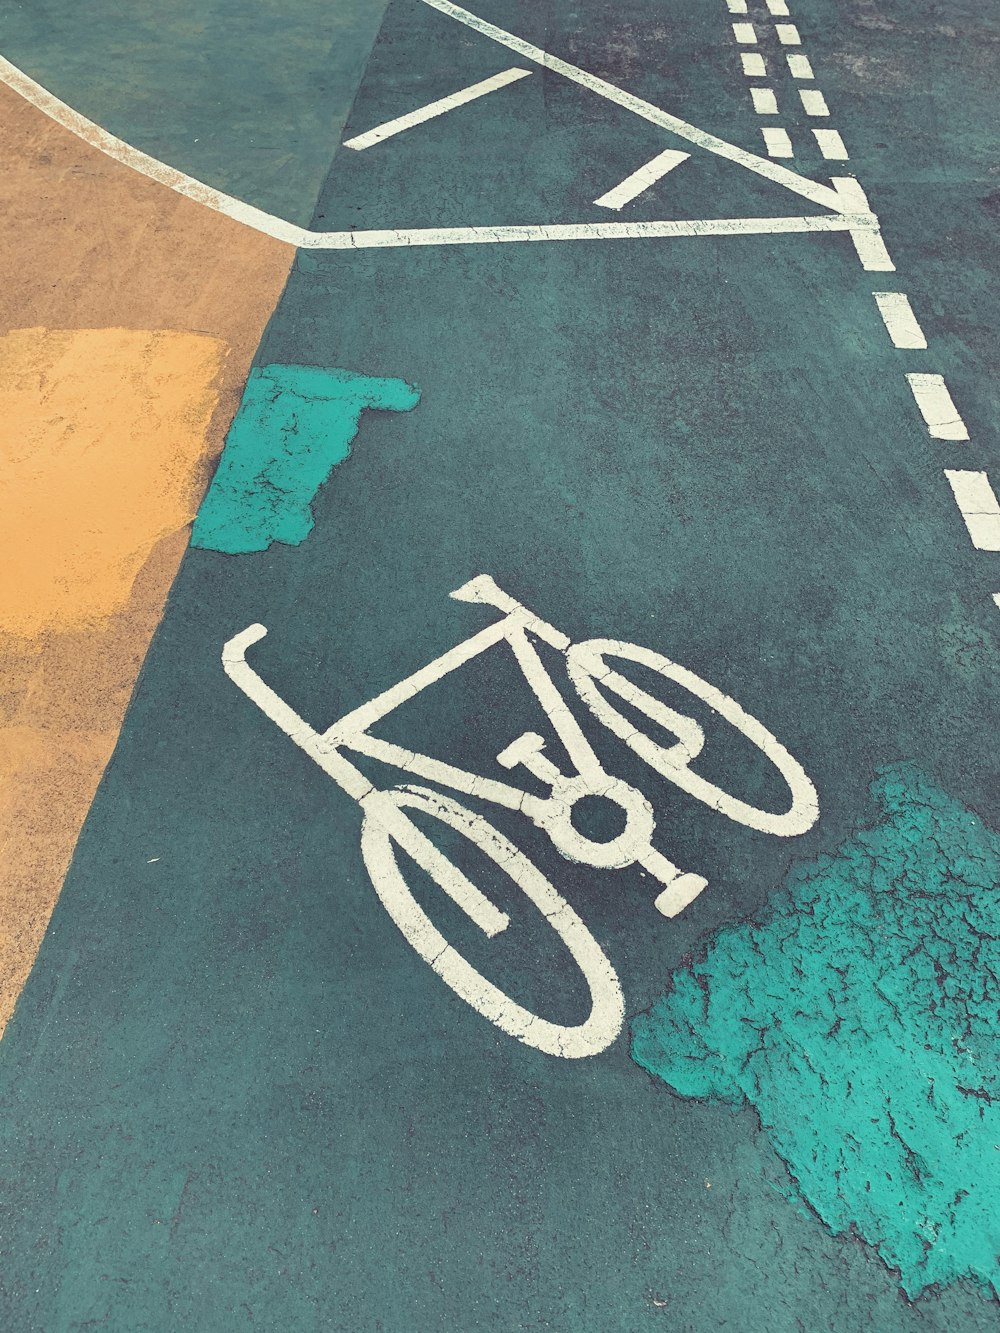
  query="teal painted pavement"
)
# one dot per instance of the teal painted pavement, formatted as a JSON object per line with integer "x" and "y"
{"x": 233, "y": 1095}
{"x": 861, "y": 1021}
{"x": 293, "y": 426}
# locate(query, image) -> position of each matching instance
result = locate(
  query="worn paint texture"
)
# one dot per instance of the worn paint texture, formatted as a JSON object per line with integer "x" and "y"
{"x": 294, "y": 425}
{"x": 860, "y": 1019}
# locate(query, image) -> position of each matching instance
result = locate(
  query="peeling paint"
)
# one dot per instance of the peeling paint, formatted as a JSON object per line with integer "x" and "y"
{"x": 294, "y": 425}
{"x": 861, "y": 1020}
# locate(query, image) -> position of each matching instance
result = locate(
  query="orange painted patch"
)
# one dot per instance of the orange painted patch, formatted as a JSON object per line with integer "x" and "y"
{"x": 106, "y": 446}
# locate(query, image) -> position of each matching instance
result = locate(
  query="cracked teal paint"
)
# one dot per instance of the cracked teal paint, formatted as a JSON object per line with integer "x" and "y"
{"x": 860, "y": 1020}
{"x": 294, "y": 425}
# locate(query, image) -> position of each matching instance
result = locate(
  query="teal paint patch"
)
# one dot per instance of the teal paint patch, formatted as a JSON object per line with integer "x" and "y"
{"x": 861, "y": 1020}
{"x": 294, "y": 425}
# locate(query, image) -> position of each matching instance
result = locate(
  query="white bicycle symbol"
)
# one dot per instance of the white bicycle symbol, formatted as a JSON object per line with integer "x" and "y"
{"x": 386, "y": 826}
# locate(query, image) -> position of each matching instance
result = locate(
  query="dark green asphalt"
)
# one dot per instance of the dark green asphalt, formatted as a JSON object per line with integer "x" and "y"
{"x": 232, "y": 1096}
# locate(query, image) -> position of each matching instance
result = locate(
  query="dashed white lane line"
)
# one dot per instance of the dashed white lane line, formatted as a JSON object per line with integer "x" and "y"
{"x": 978, "y": 504}
{"x": 777, "y": 142}
{"x": 996, "y": 598}
{"x": 868, "y": 242}
{"x": 736, "y": 6}
{"x": 813, "y": 102}
{"x": 937, "y": 407}
{"x": 788, "y": 34}
{"x": 900, "y": 321}
{"x": 745, "y": 33}
{"x": 437, "y": 108}
{"x": 753, "y": 64}
{"x": 764, "y": 101}
{"x": 642, "y": 179}
{"x": 777, "y": 8}
{"x": 799, "y": 67}
{"x": 831, "y": 145}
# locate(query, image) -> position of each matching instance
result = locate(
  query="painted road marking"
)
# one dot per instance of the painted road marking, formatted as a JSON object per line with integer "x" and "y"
{"x": 978, "y": 504}
{"x": 778, "y": 142}
{"x": 788, "y": 34}
{"x": 438, "y": 108}
{"x": 764, "y": 101}
{"x": 642, "y": 179}
{"x": 937, "y": 407}
{"x": 868, "y": 243}
{"x": 753, "y": 64}
{"x": 800, "y": 67}
{"x": 737, "y": 6}
{"x": 813, "y": 102}
{"x": 831, "y": 145}
{"x": 900, "y": 321}
{"x": 777, "y": 8}
{"x": 745, "y": 33}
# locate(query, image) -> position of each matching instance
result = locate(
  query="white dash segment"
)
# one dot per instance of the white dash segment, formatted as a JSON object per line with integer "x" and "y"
{"x": 753, "y": 64}
{"x": 777, "y": 142}
{"x": 764, "y": 101}
{"x": 813, "y": 102}
{"x": 788, "y": 34}
{"x": 978, "y": 504}
{"x": 736, "y": 6}
{"x": 937, "y": 407}
{"x": 996, "y": 598}
{"x": 799, "y": 66}
{"x": 642, "y": 179}
{"x": 777, "y": 8}
{"x": 745, "y": 33}
{"x": 900, "y": 321}
{"x": 867, "y": 241}
{"x": 438, "y": 108}
{"x": 831, "y": 145}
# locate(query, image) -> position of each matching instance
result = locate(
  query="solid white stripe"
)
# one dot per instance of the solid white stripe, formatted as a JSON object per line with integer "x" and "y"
{"x": 937, "y": 407}
{"x": 643, "y": 178}
{"x": 438, "y": 108}
{"x": 979, "y": 507}
{"x": 814, "y": 102}
{"x": 900, "y": 321}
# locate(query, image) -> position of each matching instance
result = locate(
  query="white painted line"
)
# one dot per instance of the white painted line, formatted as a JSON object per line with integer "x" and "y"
{"x": 588, "y": 231}
{"x": 831, "y": 145}
{"x": 900, "y": 321}
{"x": 736, "y": 6}
{"x": 800, "y": 67}
{"x": 867, "y": 241}
{"x": 996, "y": 598}
{"x": 753, "y": 64}
{"x": 978, "y": 504}
{"x": 438, "y": 108}
{"x": 777, "y": 8}
{"x": 937, "y": 407}
{"x": 788, "y": 34}
{"x": 778, "y": 142}
{"x": 642, "y": 179}
{"x": 745, "y": 33}
{"x": 809, "y": 189}
{"x": 813, "y": 102}
{"x": 764, "y": 101}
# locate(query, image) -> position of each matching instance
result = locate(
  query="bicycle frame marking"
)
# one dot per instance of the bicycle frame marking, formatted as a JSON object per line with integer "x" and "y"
{"x": 385, "y": 823}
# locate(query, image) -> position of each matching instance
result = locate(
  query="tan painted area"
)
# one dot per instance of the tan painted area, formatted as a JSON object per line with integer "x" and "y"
{"x": 106, "y": 446}
{"x": 128, "y": 319}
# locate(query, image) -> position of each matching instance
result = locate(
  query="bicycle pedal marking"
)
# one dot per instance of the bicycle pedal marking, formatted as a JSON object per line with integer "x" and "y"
{"x": 387, "y": 827}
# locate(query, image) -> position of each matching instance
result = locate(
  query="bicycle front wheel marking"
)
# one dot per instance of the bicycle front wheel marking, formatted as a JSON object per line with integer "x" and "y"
{"x": 378, "y": 841}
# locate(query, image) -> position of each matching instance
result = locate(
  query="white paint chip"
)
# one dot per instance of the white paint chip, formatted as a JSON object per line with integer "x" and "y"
{"x": 900, "y": 321}
{"x": 831, "y": 145}
{"x": 438, "y": 108}
{"x": 937, "y": 407}
{"x": 788, "y": 34}
{"x": 813, "y": 102}
{"x": 799, "y": 67}
{"x": 642, "y": 179}
{"x": 764, "y": 101}
{"x": 978, "y": 504}
{"x": 753, "y": 64}
{"x": 777, "y": 142}
{"x": 745, "y": 33}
